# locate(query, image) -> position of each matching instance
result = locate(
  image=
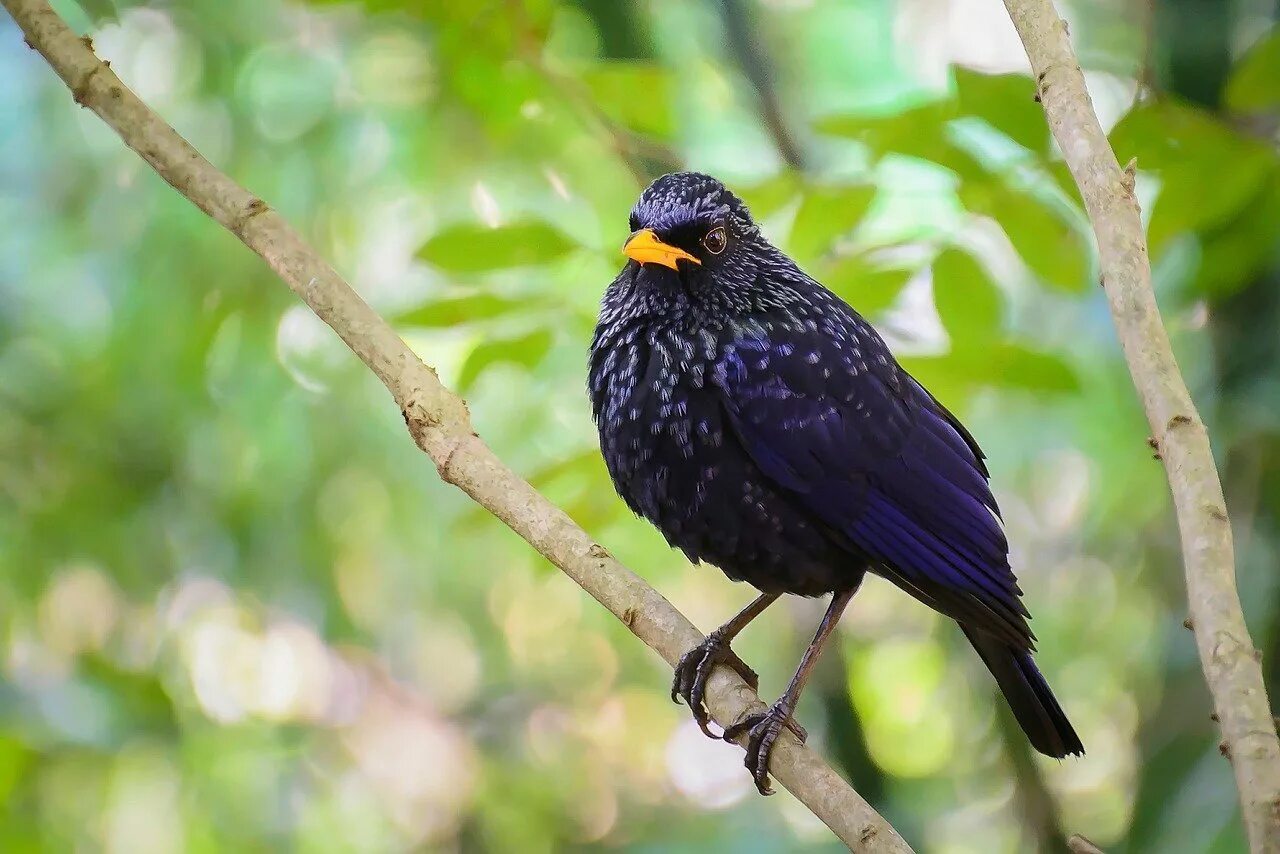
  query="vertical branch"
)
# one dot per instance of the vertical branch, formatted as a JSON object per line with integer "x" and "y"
{"x": 1227, "y": 655}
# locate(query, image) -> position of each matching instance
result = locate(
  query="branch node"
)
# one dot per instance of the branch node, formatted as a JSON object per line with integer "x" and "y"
{"x": 1130, "y": 175}
{"x": 255, "y": 207}
{"x": 80, "y": 92}
{"x": 1189, "y": 624}
{"x": 445, "y": 465}
{"x": 87, "y": 41}
{"x": 419, "y": 421}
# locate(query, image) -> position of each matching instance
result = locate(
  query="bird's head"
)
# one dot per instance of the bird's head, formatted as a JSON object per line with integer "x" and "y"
{"x": 691, "y": 226}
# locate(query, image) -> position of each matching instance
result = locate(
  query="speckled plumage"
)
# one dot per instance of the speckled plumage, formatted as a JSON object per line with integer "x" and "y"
{"x": 764, "y": 427}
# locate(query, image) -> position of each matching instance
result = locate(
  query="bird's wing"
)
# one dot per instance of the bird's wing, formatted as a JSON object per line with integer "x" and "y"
{"x": 828, "y": 415}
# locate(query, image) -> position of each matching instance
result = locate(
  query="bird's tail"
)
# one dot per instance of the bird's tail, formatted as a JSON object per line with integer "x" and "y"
{"x": 1028, "y": 695}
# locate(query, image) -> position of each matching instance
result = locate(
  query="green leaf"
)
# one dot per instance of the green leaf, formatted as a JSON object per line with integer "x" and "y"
{"x": 916, "y": 132}
{"x": 1002, "y": 365}
{"x": 1254, "y": 86}
{"x": 825, "y": 214}
{"x": 1208, "y": 171}
{"x": 587, "y": 462}
{"x": 473, "y": 248}
{"x": 637, "y": 95}
{"x": 1007, "y": 103}
{"x": 1190, "y": 200}
{"x": 456, "y": 311}
{"x": 1234, "y": 255}
{"x": 139, "y": 699}
{"x": 526, "y": 351}
{"x": 1048, "y": 243}
{"x": 968, "y": 302}
{"x": 919, "y": 132}
{"x": 1016, "y": 366}
{"x": 1170, "y": 134}
{"x": 769, "y": 196}
{"x": 1164, "y": 134}
{"x": 866, "y": 286}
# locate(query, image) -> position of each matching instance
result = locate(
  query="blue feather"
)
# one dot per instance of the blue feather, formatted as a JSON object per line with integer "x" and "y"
{"x": 869, "y": 452}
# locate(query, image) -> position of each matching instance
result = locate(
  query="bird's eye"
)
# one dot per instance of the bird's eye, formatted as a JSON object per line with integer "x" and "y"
{"x": 716, "y": 240}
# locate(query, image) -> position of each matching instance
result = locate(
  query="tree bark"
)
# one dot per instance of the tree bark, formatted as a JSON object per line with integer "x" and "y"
{"x": 1227, "y": 655}
{"x": 437, "y": 419}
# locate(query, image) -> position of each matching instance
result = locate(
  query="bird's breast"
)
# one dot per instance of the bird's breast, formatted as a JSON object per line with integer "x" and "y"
{"x": 674, "y": 458}
{"x": 661, "y": 426}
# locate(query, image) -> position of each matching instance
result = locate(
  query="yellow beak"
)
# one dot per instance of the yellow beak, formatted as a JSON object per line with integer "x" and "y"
{"x": 645, "y": 247}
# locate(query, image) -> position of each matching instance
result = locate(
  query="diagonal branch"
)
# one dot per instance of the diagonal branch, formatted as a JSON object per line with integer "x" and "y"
{"x": 437, "y": 419}
{"x": 1227, "y": 655}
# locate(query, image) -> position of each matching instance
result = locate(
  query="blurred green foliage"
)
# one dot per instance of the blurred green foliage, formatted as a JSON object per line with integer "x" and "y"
{"x": 239, "y": 610}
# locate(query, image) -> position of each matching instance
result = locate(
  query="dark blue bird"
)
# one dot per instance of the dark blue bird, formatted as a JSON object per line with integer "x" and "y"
{"x": 763, "y": 426}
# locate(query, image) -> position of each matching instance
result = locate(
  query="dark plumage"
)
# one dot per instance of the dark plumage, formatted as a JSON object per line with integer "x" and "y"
{"x": 763, "y": 426}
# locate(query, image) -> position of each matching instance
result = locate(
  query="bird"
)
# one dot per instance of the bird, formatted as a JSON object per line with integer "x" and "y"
{"x": 764, "y": 427}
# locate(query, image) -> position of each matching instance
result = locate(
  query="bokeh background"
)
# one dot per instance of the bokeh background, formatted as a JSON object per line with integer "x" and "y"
{"x": 239, "y": 611}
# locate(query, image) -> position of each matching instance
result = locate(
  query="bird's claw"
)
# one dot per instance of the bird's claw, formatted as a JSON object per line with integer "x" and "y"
{"x": 762, "y": 729}
{"x": 693, "y": 670}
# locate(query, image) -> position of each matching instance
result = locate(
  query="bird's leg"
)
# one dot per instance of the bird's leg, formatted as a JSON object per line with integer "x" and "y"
{"x": 762, "y": 728}
{"x": 695, "y": 666}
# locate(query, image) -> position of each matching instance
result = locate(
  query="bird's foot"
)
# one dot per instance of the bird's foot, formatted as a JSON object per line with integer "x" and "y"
{"x": 762, "y": 729}
{"x": 693, "y": 670}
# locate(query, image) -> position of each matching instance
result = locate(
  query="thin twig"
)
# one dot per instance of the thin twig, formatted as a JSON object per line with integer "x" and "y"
{"x": 437, "y": 419}
{"x": 1146, "y": 83}
{"x": 747, "y": 51}
{"x": 1227, "y": 655}
{"x": 644, "y": 158}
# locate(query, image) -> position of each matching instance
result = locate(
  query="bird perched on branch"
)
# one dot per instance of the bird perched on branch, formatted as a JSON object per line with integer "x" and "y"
{"x": 764, "y": 427}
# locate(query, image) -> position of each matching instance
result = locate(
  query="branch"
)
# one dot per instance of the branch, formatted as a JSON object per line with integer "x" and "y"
{"x": 1078, "y": 844}
{"x": 645, "y": 158}
{"x": 745, "y": 48}
{"x": 1034, "y": 800}
{"x": 1227, "y": 655}
{"x": 437, "y": 419}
